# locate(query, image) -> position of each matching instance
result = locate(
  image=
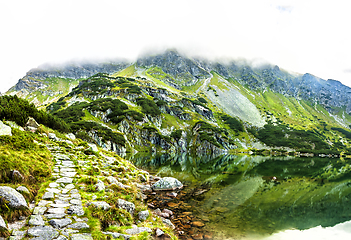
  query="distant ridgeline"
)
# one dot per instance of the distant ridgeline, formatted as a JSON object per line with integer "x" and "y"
{"x": 174, "y": 103}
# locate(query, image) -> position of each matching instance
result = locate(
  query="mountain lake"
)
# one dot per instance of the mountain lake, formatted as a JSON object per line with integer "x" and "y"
{"x": 259, "y": 197}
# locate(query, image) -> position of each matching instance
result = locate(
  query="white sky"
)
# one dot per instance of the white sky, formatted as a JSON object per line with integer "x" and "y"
{"x": 301, "y": 36}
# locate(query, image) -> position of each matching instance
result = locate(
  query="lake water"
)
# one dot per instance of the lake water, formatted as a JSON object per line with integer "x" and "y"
{"x": 257, "y": 197}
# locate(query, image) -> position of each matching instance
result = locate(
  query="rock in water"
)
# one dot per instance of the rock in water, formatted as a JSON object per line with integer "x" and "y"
{"x": 15, "y": 199}
{"x": 167, "y": 183}
{"x": 4, "y": 129}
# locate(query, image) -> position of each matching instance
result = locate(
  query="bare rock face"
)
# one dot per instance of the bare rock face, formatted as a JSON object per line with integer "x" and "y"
{"x": 14, "y": 198}
{"x": 167, "y": 183}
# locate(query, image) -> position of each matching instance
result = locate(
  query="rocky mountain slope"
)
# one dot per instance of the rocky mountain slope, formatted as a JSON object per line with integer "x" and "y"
{"x": 171, "y": 102}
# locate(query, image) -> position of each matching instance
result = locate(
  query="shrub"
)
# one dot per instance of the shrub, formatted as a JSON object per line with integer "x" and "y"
{"x": 148, "y": 107}
{"x": 177, "y": 134}
{"x": 233, "y": 123}
{"x": 19, "y": 110}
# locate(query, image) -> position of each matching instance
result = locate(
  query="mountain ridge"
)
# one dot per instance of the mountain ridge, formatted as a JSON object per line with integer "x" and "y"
{"x": 165, "y": 95}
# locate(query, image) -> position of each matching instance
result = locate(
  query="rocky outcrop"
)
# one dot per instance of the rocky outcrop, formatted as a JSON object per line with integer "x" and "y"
{"x": 31, "y": 82}
{"x": 184, "y": 70}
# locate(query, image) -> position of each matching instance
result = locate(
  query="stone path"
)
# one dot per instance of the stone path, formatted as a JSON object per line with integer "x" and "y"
{"x": 58, "y": 215}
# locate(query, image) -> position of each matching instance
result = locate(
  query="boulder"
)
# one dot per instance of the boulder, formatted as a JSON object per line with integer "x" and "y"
{"x": 111, "y": 180}
{"x": 17, "y": 176}
{"x": 167, "y": 183}
{"x": 5, "y": 130}
{"x": 159, "y": 232}
{"x": 31, "y": 125}
{"x": 130, "y": 207}
{"x": 52, "y": 136}
{"x": 143, "y": 215}
{"x": 14, "y": 125}
{"x": 22, "y": 189}
{"x": 3, "y": 224}
{"x": 100, "y": 186}
{"x": 71, "y": 136}
{"x": 93, "y": 147}
{"x": 14, "y": 198}
{"x": 100, "y": 205}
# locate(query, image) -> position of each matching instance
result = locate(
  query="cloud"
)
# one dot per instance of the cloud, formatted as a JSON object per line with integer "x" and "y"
{"x": 301, "y": 36}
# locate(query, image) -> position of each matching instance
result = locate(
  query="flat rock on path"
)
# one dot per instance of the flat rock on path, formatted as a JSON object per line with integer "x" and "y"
{"x": 81, "y": 237}
{"x": 43, "y": 232}
{"x": 15, "y": 199}
{"x": 60, "y": 223}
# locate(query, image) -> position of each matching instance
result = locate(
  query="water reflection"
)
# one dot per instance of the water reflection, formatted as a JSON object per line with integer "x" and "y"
{"x": 255, "y": 196}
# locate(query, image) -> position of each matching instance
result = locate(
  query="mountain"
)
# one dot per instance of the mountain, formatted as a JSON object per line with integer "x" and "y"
{"x": 172, "y": 102}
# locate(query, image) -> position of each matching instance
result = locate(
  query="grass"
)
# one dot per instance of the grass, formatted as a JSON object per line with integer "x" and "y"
{"x": 127, "y": 72}
{"x": 19, "y": 152}
{"x": 218, "y": 81}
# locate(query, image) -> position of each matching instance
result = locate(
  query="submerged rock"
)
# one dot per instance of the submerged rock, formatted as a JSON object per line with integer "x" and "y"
{"x": 15, "y": 199}
{"x": 167, "y": 183}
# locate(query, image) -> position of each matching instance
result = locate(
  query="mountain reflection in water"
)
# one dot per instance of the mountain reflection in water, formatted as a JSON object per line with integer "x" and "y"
{"x": 254, "y": 197}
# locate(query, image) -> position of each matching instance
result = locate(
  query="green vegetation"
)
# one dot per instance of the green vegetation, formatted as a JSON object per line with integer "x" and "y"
{"x": 20, "y": 152}
{"x": 73, "y": 113}
{"x": 206, "y": 132}
{"x": 233, "y": 123}
{"x": 19, "y": 110}
{"x": 105, "y": 133}
{"x": 148, "y": 106}
{"x": 177, "y": 134}
{"x": 283, "y": 136}
{"x": 97, "y": 84}
{"x": 343, "y": 131}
